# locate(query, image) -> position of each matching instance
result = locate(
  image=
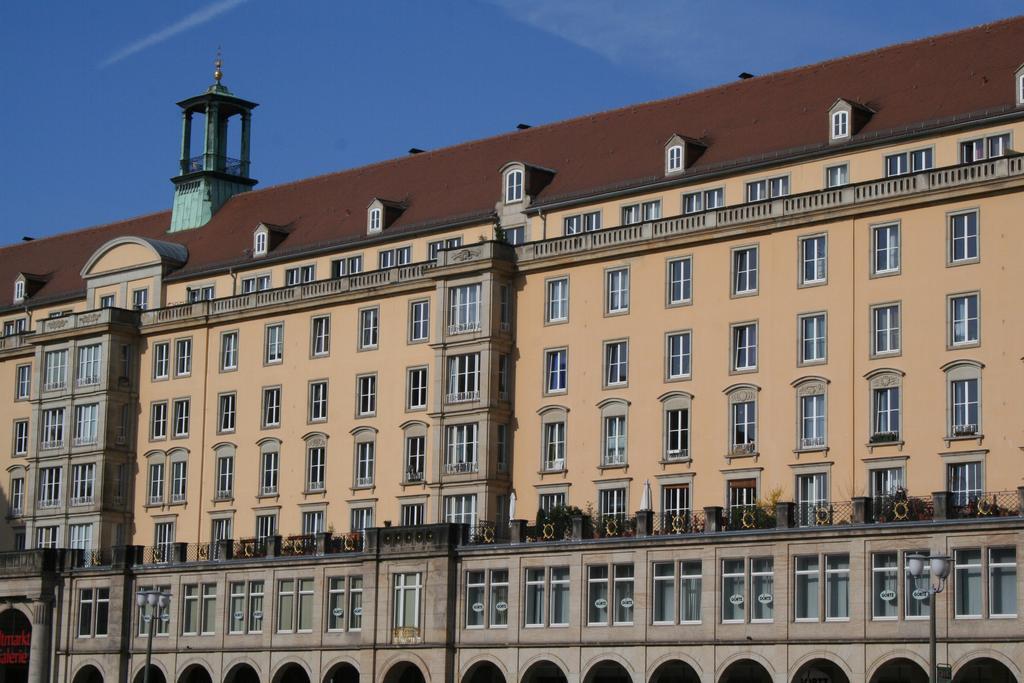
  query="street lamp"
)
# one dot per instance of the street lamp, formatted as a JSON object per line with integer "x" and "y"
{"x": 157, "y": 602}
{"x": 938, "y": 566}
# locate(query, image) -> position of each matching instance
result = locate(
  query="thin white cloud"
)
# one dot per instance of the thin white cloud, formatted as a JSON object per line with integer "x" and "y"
{"x": 197, "y": 18}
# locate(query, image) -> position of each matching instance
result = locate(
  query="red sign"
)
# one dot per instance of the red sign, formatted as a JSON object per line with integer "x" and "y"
{"x": 14, "y": 646}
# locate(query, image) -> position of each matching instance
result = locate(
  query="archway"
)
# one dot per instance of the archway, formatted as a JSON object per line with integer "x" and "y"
{"x": 155, "y": 675}
{"x": 900, "y": 670}
{"x": 745, "y": 671}
{"x": 607, "y": 671}
{"x": 820, "y": 671}
{"x": 195, "y": 673}
{"x": 242, "y": 673}
{"x": 291, "y": 673}
{"x": 88, "y": 674}
{"x": 544, "y": 672}
{"x": 484, "y": 672}
{"x": 984, "y": 670}
{"x": 675, "y": 671}
{"x": 16, "y": 629}
{"x": 342, "y": 673}
{"x": 404, "y": 672}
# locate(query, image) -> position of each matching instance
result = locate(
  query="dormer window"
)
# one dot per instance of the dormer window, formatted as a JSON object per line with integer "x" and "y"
{"x": 374, "y": 220}
{"x": 19, "y": 291}
{"x": 259, "y": 244}
{"x": 840, "y": 125}
{"x": 1019, "y": 82}
{"x": 514, "y": 186}
{"x": 674, "y": 162}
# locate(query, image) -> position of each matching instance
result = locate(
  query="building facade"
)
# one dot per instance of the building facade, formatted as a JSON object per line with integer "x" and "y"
{"x": 668, "y": 393}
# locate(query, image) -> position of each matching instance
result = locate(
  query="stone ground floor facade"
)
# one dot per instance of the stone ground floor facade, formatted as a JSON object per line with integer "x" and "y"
{"x": 444, "y": 604}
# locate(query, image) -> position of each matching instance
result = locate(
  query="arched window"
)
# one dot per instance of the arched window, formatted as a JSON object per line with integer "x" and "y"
{"x": 886, "y": 406}
{"x": 19, "y": 291}
{"x": 811, "y": 411}
{"x": 374, "y": 224}
{"x": 224, "y": 455}
{"x": 742, "y": 401}
{"x": 675, "y": 410}
{"x": 963, "y": 399}
{"x": 674, "y": 159}
{"x": 270, "y": 467}
{"x": 614, "y": 432}
{"x": 514, "y": 186}
{"x": 178, "y": 475}
{"x": 554, "y": 424}
{"x": 415, "y": 452}
{"x": 316, "y": 462}
{"x": 840, "y": 124}
{"x": 259, "y": 243}
{"x": 156, "y": 477}
{"x": 365, "y": 457}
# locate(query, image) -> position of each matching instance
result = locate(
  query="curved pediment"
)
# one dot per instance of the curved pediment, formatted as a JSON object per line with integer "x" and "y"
{"x": 129, "y": 253}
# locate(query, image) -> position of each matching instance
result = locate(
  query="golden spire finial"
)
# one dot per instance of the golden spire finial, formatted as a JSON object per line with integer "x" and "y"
{"x": 218, "y": 74}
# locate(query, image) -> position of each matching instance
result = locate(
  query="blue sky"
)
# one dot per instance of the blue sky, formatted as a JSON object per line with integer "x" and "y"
{"x": 89, "y": 132}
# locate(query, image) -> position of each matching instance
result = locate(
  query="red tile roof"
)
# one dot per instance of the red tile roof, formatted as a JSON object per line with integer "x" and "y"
{"x": 954, "y": 75}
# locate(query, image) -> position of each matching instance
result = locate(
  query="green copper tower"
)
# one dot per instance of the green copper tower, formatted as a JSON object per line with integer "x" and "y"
{"x": 208, "y": 180}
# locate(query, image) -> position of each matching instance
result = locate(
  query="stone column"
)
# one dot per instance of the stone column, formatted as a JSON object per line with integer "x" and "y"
{"x": 862, "y": 510}
{"x": 186, "y": 140}
{"x": 517, "y": 531}
{"x": 712, "y": 519}
{"x": 644, "y": 522}
{"x": 942, "y": 507}
{"x": 39, "y": 649}
{"x": 784, "y": 515}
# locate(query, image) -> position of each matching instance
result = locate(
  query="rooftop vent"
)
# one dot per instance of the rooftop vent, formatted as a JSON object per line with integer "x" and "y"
{"x": 523, "y": 126}
{"x": 415, "y": 150}
{"x": 745, "y": 75}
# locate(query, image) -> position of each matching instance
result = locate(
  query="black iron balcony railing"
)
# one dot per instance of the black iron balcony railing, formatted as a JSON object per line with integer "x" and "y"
{"x": 219, "y": 163}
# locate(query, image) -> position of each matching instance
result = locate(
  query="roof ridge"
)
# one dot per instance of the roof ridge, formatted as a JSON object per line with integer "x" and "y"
{"x": 90, "y": 228}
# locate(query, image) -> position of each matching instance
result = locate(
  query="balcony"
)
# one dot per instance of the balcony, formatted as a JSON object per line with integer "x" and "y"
{"x": 413, "y": 477}
{"x": 81, "y": 500}
{"x": 178, "y": 497}
{"x": 469, "y": 467}
{"x": 89, "y": 440}
{"x": 55, "y": 385}
{"x": 48, "y": 503}
{"x": 462, "y": 396}
{"x": 364, "y": 482}
{"x": 613, "y": 459}
{"x": 223, "y": 495}
{"x": 268, "y": 490}
{"x": 749, "y": 448}
{"x": 88, "y": 381}
{"x": 51, "y": 444}
{"x": 18, "y": 511}
{"x": 674, "y": 454}
{"x": 215, "y": 162}
{"x": 556, "y": 465}
{"x": 884, "y": 437}
{"x": 812, "y": 442}
{"x": 155, "y": 500}
{"x": 464, "y": 327}
{"x": 965, "y": 430}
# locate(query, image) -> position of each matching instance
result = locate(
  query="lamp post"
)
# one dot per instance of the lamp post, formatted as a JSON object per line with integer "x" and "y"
{"x": 157, "y": 602}
{"x": 938, "y": 567}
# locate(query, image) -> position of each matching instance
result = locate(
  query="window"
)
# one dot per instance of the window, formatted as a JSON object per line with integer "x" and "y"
{"x": 258, "y": 283}
{"x": 553, "y": 611}
{"x": 886, "y": 414}
{"x": 225, "y": 476}
{"x": 416, "y": 453}
{"x": 814, "y": 264}
{"x": 770, "y": 188}
{"x": 417, "y": 389}
{"x": 16, "y": 507}
{"x": 366, "y": 395}
{"x": 989, "y": 147}
{"x": 586, "y": 222}
{"x": 269, "y": 467}
{"x": 229, "y": 351}
{"x": 412, "y": 514}
{"x": 837, "y": 587}
{"x": 246, "y": 607}
{"x": 674, "y": 162}
{"x": 321, "y": 335}
{"x": 16, "y": 326}
{"x": 364, "y": 463}
{"x": 505, "y": 307}
{"x": 108, "y": 301}
{"x": 554, "y": 447}
{"x": 677, "y": 433}
{"x": 615, "y": 601}
{"x": 965, "y": 403}
{"x": 460, "y": 509}
{"x": 886, "y": 248}
{"x": 483, "y": 590}
{"x": 93, "y": 612}
{"x": 273, "y": 351}
{"x": 463, "y": 378}
{"x": 666, "y": 581}
{"x": 550, "y": 501}
{"x": 161, "y": 360}
{"x": 83, "y": 483}
{"x": 259, "y": 244}
{"x": 295, "y": 605}
{"x": 744, "y": 271}
{"x": 840, "y": 124}
{"x": 461, "y": 446}
{"x": 266, "y": 526}
{"x": 318, "y": 401}
{"x": 963, "y": 237}
{"x": 886, "y": 329}
{"x": 88, "y": 365}
{"x": 884, "y": 585}
{"x": 513, "y": 186}
{"x": 744, "y": 347}
{"x": 612, "y": 503}
{"x": 680, "y": 281}
{"x": 56, "y": 370}
{"x": 917, "y": 598}
{"x": 46, "y": 536}
{"x": 158, "y": 420}
{"x": 85, "y": 424}
{"x": 156, "y": 484}
{"x": 23, "y": 382}
{"x": 464, "y": 309}
{"x": 1002, "y": 582}
{"x": 744, "y": 426}
{"x": 807, "y": 578}
{"x": 19, "y": 291}
{"x": 762, "y": 588}
{"x": 21, "y": 437}
{"x": 812, "y": 339}
{"x": 908, "y": 162}
{"x": 965, "y": 482}
{"x": 299, "y": 275}
{"x": 967, "y": 578}
{"x": 812, "y": 421}
{"x": 374, "y": 224}
{"x": 271, "y": 407}
{"x": 614, "y": 453}
{"x": 617, "y": 288}
{"x": 183, "y": 357}
{"x": 389, "y": 258}
{"x": 434, "y": 247}
{"x": 419, "y": 321}
{"x": 645, "y": 211}
{"x": 369, "y": 328}
{"x": 837, "y": 176}
{"x": 226, "y": 413}
{"x": 557, "y": 307}
{"x": 678, "y": 352}
{"x": 316, "y": 470}
{"x": 707, "y": 200}
{"x": 336, "y": 603}
{"x": 53, "y": 428}
{"x": 964, "y": 319}
{"x": 556, "y": 371}
{"x": 616, "y": 363}
{"x": 733, "y": 591}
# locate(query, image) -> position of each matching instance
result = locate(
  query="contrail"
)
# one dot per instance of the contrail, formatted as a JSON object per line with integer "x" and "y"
{"x": 197, "y": 18}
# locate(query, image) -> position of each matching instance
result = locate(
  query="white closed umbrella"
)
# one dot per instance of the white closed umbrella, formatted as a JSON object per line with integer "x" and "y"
{"x": 512, "y": 505}
{"x": 645, "y": 498}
